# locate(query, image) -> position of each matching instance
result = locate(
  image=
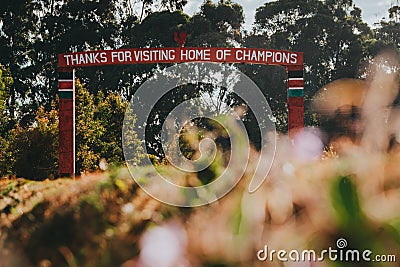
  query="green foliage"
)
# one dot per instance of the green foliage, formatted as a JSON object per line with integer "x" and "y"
{"x": 19, "y": 27}
{"x": 88, "y": 130}
{"x": 99, "y": 123}
{"x": 32, "y": 152}
{"x": 388, "y": 32}
{"x": 133, "y": 150}
{"x": 216, "y": 25}
{"x": 6, "y": 82}
{"x": 329, "y": 33}
{"x": 155, "y": 30}
{"x": 6, "y": 155}
{"x": 334, "y": 38}
{"x": 110, "y": 111}
{"x": 346, "y": 202}
{"x": 165, "y": 22}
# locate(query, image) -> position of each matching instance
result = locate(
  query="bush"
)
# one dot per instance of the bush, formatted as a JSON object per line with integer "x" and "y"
{"x": 32, "y": 152}
{"x": 99, "y": 122}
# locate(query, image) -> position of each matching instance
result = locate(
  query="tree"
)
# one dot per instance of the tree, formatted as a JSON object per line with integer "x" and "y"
{"x": 6, "y": 82}
{"x": 216, "y": 25}
{"x": 330, "y": 33}
{"x": 99, "y": 121}
{"x": 88, "y": 130}
{"x": 141, "y": 9}
{"x": 70, "y": 26}
{"x": 18, "y": 26}
{"x": 25, "y": 154}
{"x": 110, "y": 111}
{"x": 32, "y": 33}
{"x": 388, "y": 32}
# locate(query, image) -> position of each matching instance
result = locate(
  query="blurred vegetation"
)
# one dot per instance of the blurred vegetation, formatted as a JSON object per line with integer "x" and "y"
{"x": 101, "y": 219}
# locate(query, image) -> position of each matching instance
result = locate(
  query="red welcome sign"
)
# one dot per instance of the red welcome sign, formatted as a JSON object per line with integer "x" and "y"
{"x": 180, "y": 54}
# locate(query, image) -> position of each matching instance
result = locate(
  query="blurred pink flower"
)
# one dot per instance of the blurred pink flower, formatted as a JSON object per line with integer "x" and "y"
{"x": 163, "y": 246}
{"x": 307, "y": 145}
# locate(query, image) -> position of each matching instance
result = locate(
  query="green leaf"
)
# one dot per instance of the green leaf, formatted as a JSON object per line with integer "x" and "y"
{"x": 346, "y": 202}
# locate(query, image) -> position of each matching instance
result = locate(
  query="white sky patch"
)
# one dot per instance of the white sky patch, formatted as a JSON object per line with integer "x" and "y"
{"x": 374, "y": 11}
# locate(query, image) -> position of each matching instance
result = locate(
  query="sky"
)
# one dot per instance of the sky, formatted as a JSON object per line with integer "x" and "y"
{"x": 372, "y": 10}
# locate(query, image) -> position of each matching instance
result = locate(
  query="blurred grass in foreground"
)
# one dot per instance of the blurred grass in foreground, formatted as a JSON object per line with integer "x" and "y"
{"x": 98, "y": 220}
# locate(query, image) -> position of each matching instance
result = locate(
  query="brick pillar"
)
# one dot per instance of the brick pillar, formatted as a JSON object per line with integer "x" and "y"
{"x": 295, "y": 98}
{"x": 66, "y": 113}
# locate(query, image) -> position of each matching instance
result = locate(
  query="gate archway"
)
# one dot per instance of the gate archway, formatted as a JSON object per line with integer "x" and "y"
{"x": 291, "y": 61}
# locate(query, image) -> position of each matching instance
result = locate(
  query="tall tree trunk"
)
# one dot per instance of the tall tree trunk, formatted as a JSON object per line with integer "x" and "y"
{"x": 52, "y": 7}
{"x": 142, "y": 11}
{"x": 11, "y": 107}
